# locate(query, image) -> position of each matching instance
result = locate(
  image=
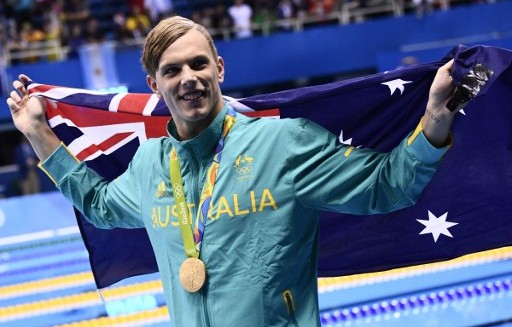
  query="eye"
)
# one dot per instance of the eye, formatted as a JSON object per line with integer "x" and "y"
{"x": 170, "y": 71}
{"x": 199, "y": 64}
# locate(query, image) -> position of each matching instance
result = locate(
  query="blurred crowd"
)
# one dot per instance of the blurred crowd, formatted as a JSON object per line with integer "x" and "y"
{"x": 53, "y": 29}
{"x": 41, "y": 26}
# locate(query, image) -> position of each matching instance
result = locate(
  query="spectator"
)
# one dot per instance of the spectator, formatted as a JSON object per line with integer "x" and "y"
{"x": 220, "y": 19}
{"x": 241, "y": 14}
{"x": 75, "y": 12}
{"x": 445, "y": 4}
{"x": 3, "y": 37}
{"x": 264, "y": 17}
{"x": 93, "y": 32}
{"x": 15, "y": 47}
{"x": 423, "y": 7}
{"x": 4, "y": 88}
{"x": 5, "y": 11}
{"x": 120, "y": 32}
{"x": 138, "y": 23}
{"x": 136, "y": 3}
{"x": 22, "y": 11}
{"x": 320, "y": 8}
{"x": 30, "y": 40}
{"x": 285, "y": 13}
{"x": 300, "y": 7}
{"x": 52, "y": 36}
{"x": 75, "y": 39}
{"x": 158, "y": 9}
{"x": 52, "y": 15}
{"x": 202, "y": 17}
{"x": 26, "y": 159}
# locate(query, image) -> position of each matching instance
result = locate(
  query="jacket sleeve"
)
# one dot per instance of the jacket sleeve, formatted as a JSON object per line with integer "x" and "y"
{"x": 105, "y": 204}
{"x": 330, "y": 176}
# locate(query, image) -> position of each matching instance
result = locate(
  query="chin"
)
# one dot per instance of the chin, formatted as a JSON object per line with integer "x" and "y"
{"x": 198, "y": 114}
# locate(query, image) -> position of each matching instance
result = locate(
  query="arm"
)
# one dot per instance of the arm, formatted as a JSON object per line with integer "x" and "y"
{"x": 105, "y": 204}
{"x": 330, "y": 176}
{"x": 437, "y": 120}
{"x": 360, "y": 181}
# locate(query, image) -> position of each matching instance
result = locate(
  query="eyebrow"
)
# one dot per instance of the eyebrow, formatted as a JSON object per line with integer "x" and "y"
{"x": 195, "y": 58}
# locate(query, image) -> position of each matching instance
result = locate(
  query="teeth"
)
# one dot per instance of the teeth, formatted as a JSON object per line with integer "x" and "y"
{"x": 192, "y": 96}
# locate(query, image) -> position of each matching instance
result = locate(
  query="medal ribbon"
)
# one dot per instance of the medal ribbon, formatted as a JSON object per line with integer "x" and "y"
{"x": 192, "y": 241}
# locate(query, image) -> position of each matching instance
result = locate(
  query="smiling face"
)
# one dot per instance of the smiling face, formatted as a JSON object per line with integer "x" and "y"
{"x": 188, "y": 77}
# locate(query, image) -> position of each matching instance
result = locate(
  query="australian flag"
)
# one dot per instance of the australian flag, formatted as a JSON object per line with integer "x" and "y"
{"x": 465, "y": 209}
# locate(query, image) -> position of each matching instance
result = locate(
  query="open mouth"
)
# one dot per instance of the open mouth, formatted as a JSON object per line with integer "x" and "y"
{"x": 192, "y": 96}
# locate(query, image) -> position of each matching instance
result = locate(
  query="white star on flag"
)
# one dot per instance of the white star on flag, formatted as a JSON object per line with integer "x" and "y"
{"x": 347, "y": 142}
{"x": 437, "y": 225}
{"x": 396, "y": 84}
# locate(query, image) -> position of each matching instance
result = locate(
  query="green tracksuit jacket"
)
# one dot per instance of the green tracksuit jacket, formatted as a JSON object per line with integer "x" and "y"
{"x": 261, "y": 239}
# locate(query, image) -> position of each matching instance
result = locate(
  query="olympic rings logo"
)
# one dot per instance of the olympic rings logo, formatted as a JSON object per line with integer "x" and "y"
{"x": 244, "y": 170}
{"x": 178, "y": 190}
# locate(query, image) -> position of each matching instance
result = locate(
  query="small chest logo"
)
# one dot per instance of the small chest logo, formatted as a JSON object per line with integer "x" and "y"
{"x": 160, "y": 192}
{"x": 243, "y": 166}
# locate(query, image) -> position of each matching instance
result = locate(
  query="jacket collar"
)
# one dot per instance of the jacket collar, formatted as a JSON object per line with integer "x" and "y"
{"x": 203, "y": 145}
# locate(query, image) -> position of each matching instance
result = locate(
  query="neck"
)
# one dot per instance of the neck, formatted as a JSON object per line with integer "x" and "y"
{"x": 187, "y": 132}
{"x": 190, "y": 129}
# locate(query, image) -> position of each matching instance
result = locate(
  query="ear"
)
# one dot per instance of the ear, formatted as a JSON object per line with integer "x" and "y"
{"x": 220, "y": 68}
{"x": 152, "y": 85}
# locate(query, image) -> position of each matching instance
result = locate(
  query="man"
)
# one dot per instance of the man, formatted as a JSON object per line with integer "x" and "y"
{"x": 241, "y": 15}
{"x": 249, "y": 257}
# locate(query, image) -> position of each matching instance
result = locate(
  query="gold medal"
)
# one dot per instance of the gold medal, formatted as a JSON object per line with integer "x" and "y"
{"x": 192, "y": 274}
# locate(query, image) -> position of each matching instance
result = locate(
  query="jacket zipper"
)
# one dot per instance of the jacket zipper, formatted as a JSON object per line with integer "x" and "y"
{"x": 205, "y": 307}
{"x": 290, "y": 306}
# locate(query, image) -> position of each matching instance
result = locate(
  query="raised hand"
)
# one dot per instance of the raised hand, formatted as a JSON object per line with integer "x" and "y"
{"x": 438, "y": 119}
{"x": 28, "y": 115}
{"x": 27, "y": 112}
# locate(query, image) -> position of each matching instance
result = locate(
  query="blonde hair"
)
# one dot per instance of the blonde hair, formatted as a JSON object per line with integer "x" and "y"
{"x": 163, "y": 35}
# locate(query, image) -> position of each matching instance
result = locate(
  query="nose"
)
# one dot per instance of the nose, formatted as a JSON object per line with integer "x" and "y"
{"x": 188, "y": 76}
